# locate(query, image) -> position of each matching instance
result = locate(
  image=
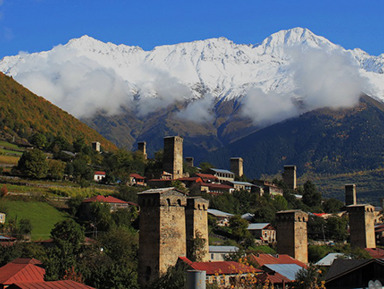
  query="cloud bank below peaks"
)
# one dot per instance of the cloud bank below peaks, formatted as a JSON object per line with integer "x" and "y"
{"x": 320, "y": 79}
{"x": 74, "y": 83}
{"x": 199, "y": 110}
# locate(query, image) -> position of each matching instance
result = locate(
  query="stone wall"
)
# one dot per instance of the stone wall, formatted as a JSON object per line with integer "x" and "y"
{"x": 196, "y": 218}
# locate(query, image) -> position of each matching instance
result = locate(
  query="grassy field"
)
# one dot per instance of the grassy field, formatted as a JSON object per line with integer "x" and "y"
{"x": 42, "y": 216}
{"x": 369, "y": 185}
{"x": 9, "y": 160}
{"x": 10, "y": 152}
{"x": 10, "y": 146}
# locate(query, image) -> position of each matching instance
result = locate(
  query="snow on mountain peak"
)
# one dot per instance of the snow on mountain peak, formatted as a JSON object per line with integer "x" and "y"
{"x": 277, "y": 43}
{"x": 88, "y": 71}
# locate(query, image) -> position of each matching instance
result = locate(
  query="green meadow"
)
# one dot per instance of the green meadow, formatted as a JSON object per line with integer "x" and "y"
{"x": 43, "y": 216}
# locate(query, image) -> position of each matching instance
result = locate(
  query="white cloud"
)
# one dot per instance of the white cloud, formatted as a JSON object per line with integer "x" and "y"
{"x": 82, "y": 86}
{"x": 159, "y": 91}
{"x": 76, "y": 84}
{"x": 322, "y": 79}
{"x": 199, "y": 110}
{"x": 326, "y": 79}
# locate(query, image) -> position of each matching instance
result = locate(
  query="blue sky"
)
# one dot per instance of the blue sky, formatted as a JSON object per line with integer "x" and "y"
{"x": 37, "y": 25}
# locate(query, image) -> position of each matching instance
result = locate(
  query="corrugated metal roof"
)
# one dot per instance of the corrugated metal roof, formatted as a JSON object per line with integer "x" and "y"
{"x": 103, "y": 199}
{"x": 218, "y": 213}
{"x": 64, "y": 284}
{"x": 328, "y": 260}
{"x": 21, "y": 270}
{"x": 242, "y": 183}
{"x": 222, "y": 171}
{"x": 248, "y": 216}
{"x": 257, "y": 226}
{"x": 262, "y": 259}
{"x": 287, "y": 270}
{"x": 220, "y": 267}
{"x": 223, "y": 249}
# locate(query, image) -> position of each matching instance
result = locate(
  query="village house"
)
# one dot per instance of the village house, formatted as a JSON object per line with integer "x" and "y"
{"x": 238, "y": 186}
{"x": 21, "y": 270}
{"x": 265, "y": 187}
{"x": 190, "y": 181}
{"x": 98, "y": 176}
{"x": 26, "y": 273}
{"x": 215, "y": 188}
{"x": 160, "y": 183}
{"x": 2, "y": 218}
{"x": 219, "y": 253}
{"x": 114, "y": 203}
{"x": 354, "y": 273}
{"x": 264, "y": 233}
{"x": 208, "y": 178}
{"x": 222, "y": 217}
{"x": 279, "y": 269}
{"x": 223, "y": 273}
{"x": 136, "y": 180}
{"x": 267, "y": 259}
{"x": 222, "y": 175}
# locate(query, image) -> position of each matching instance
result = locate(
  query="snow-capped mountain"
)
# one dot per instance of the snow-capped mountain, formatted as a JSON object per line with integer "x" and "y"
{"x": 213, "y": 88}
{"x": 86, "y": 75}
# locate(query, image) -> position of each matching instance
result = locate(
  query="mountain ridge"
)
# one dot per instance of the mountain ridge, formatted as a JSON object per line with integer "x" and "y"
{"x": 212, "y": 90}
{"x": 23, "y": 114}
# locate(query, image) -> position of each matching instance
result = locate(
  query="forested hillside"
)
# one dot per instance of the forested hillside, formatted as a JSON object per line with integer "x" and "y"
{"x": 321, "y": 141}
{"x": 23, "y": 114}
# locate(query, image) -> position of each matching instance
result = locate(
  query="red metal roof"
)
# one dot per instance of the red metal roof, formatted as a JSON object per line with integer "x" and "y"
{"x": 375, "y": 253}
{"x": 320, "y": 214}
{"x": 103, "y": 199}
{"x": 64, "y": 284}
{"x": 137, "y": 176}
{"x": 263, "y": 259}
{"x": 21, "y": 270}
{"x": 274, "y": 278}
{"x": 207, "y": 176}
{"x": 216, "y": 186}
{"x": 220, "y": 267}
{"x": 193, "y": 179}
{"x": 100, "y": 173}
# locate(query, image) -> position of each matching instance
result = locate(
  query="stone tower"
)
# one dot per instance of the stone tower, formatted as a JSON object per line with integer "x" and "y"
{"x": 196, "y": 219}
{"x": 162, "y": 236}
{"x": 142, "y": 147}
{"x": 289, "y": 177}
{"x": 237, "y": 166}
{"x": 350, "y": 194}
{"x": 291, "y": 234}
{"x": 96, "y": 146}
{"x": 189, "y": 161}
{"x": 173, "y": 156}
{"x": 362, "y": 225}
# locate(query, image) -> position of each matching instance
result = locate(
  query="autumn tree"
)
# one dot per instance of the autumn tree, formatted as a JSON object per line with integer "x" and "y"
{"x": 33, "y": 164}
